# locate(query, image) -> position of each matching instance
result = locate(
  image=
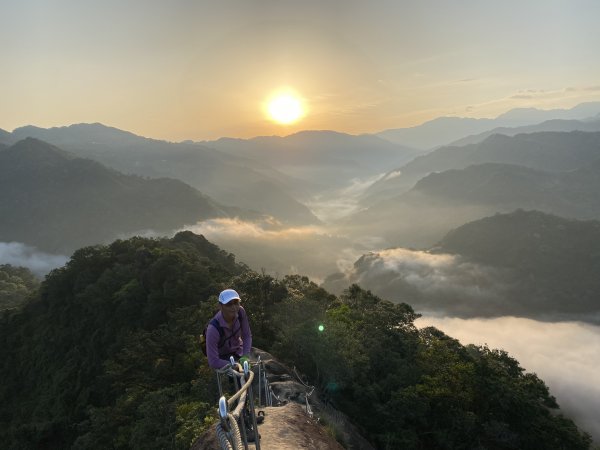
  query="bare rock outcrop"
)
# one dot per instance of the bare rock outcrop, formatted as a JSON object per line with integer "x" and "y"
{"x": 289, "y": 425}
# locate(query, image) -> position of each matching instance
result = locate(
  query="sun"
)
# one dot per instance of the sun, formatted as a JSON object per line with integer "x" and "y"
{"x": 285, "y": 108}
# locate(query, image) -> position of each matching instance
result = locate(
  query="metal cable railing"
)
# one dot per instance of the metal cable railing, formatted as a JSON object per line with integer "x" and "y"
{"x": 231, "y": 435}
{"x": 231, "y": 430}
{"x": 307, "y": 394}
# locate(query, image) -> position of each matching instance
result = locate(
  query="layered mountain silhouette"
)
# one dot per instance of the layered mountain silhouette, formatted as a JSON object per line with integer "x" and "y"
{"x": 5, "y": 138}
{"x": 552, "y": 151}
{"x": 549, "y": 125}
{"x": 444, "y": 130}
{"x": 323, "y": 159}
{"x": 557, "y": 173}
{"x": 231, "y": 180}
{"x": 445, "y": 200}
{"x": 525, "y": 263}
{"x": 436, "y": 132}
{"x": 503, "y": 187}
{"x": 57, "y": 202}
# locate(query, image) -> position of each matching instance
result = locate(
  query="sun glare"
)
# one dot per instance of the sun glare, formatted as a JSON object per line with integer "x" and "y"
{"x": 285, "y": 108}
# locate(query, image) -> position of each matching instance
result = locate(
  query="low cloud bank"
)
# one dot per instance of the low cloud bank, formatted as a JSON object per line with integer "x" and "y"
{"x": 430, "y": 282}
{"x": 342, "y": 202}
{"x": 565, "y": 355}
{"x": 279, "y": 250}
{"x": 453, "y": 285}
{"x": 18, "y": 254}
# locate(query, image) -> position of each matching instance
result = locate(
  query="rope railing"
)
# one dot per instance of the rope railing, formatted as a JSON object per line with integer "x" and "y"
{"x": 231, "y": 435}
{"x": 231, "y": 430}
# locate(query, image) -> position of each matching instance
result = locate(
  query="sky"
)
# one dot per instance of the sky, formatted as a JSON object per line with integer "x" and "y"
{"x": 184, "y": 69}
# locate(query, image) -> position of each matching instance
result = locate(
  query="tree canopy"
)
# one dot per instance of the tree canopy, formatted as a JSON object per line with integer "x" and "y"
{"x": 106, "y": 355}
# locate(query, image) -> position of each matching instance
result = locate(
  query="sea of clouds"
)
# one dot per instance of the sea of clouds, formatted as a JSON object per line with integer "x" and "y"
{"x": 566, "y": 355}
{"x": 314, "y": 251}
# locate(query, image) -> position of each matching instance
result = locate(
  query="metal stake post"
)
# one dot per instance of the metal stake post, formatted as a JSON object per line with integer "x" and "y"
{"x": 252, "y": 412}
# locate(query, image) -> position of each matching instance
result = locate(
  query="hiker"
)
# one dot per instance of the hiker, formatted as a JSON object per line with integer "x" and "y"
{"x": 234, "y": 337}
{"x": 228, "y": 334}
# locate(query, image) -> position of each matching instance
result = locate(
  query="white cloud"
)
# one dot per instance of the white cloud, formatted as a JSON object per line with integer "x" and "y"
{"x": 313, "y": 251}
{"x": 435, "y": 276}
{"x": 18, "y": 254}
{"x": 263, "y": 230}
{"x": 342, "y": 202}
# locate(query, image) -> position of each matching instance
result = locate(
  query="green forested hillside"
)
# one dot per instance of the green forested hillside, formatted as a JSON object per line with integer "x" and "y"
{"x": 106, "y": 356}
{"x": 556, "y": 260}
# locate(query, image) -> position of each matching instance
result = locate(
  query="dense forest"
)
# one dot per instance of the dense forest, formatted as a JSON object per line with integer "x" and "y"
{"x": 106, "y": 355}
{"x": 556, "y": 260}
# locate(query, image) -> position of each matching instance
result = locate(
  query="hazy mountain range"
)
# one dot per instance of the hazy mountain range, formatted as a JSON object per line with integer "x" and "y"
{"x": 57, "y": 202}
{"x": 419, "y": 197}
{"x": 444, "y": 130}
{"x": 552, "y": 151}
{"x": 444, "y": 200}
{"x": 590, "y": 125}
{"x": 323, "y": 159}
{"x": 231, "y": 180}
{"x": 503, "y": 187}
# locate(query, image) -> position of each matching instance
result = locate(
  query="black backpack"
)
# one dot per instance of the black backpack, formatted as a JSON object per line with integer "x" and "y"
{"x": 215, "y": 323}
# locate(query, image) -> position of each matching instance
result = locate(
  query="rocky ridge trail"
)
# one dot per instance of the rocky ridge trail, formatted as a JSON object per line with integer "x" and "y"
{"x": 289, "y": 426}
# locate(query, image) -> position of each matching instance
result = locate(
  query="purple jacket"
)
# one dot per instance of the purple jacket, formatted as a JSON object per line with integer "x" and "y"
{"x": 237, "y": 340}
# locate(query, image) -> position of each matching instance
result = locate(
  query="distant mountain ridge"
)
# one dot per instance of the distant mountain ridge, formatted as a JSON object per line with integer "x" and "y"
{"x": 444, "y": 130}
{"x": 559, "y": 125}
{"x": 5, "y": 137}
{"x": 504, "y": 187}
{"x": 57, "y": 202}
{"x": 556, "y": 173}
{"x": 580, "y": 111}
{"x": 236, "y": 181}
{"x": 327, "y": 159}
{"x": 551, "y": 151}
{"x": 76, "y": 134}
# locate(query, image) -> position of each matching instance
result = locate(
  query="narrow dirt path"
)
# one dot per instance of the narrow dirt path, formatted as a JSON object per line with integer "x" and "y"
{"x": 289, "y": 428}
{"x": 285, "y": 428}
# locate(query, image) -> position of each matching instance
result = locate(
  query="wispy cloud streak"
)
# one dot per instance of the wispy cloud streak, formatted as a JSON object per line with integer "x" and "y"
{"x": 18, "y": 254}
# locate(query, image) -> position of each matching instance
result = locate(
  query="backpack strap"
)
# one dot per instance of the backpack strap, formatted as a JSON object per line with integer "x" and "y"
{"x": 215, "y": 323}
